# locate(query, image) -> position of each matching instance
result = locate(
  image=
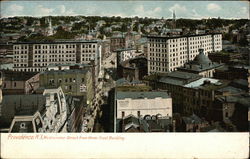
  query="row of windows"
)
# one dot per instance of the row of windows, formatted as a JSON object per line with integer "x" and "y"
{"x": 54, "y": 60}
{"x": 53, "y": 51}
{"x": 66, "y": 80}
{"x": 55, "y": 46}
{"x": 20, "y": 52}
{"x": 183, "y": 39}
{"x": 20, "y": 65}
{"x": 20, "y": 60}
{"x": 53, "y": 56}
{"x": 20, "y": 47}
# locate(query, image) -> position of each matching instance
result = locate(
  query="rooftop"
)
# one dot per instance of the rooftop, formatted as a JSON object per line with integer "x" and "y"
{"x": 58, "y": 42}
{"x": 72, "y": 71}
{"x": 179, "y": 36}
{"x": 200, "y": 63}
{"x": 141, "y": 95}
{"x": 179, "y": 78}
{"x": 201, "y": 81}
{"x": 17, "y": 76}
{"x": 133, "y": 88}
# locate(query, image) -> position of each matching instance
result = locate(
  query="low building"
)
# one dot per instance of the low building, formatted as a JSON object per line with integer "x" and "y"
{"x": 75, "y": 82}
{"x": 126, "y": 54}
{"x": 224, "y": 57}
{"x": 133, "y": 69}
{"x": 194, "y": 123}
{"x": 132, "y": 123}
{"x": 19, "y": 82}
{"x": 141, "y": 104}
{"x": 231, "y": 72}
{"x": 201, "y": 65}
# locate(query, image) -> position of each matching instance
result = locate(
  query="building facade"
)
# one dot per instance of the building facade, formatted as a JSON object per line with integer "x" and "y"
{"x": 19, "y": 82}
{"x": 166, "y": 53}
{"x": 117, "y": 42}
{"x": 142, "y": 105}
{"x": 73, "y": 82}
{"x": 126, "y": 54}
{"x": 50, "y": 114}
{"x": 35, "y": 57}
{"x": 201, "y": 65}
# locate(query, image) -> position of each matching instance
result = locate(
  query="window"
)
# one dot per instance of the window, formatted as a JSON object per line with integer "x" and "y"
{"x": 14, "y": 84}
{"x": 123, "y": 114}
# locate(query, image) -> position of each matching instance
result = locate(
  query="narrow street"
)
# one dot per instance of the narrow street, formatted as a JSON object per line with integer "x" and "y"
{"x": 104, "y": 85}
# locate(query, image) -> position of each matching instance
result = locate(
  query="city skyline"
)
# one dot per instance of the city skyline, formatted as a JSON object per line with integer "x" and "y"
{"x": 158, "y": 9}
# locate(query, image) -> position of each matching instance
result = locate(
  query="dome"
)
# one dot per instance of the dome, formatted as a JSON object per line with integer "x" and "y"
{"x": 201, "y": 59}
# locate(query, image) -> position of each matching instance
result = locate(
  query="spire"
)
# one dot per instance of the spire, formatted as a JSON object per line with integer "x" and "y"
{"x": 174, "y": 20}
{"x": 174, "y": 15}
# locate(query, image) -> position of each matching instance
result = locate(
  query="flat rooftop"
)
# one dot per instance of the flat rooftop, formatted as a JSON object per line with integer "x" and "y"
{"x": 141, "y": 95}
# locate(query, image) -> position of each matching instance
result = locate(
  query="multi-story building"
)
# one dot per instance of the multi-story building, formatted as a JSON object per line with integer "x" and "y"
{"x": 35, "y": 57}
{"x": 166, "y": 53}
{"x": 117, "y": 42}
{"x": 191, "y": 93}
{"x": 75, "y": 82}
{"x": 19, "y": 82}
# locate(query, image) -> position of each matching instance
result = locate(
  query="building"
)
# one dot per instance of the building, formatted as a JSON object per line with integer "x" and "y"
{"x": 48, "y": 112}
{"x": 132, "y": 123}
{"x": 1, "y": 95}
{"x": 201, "y": 65}
{"x": 117, "y": 42}
{"x": 193, "y": 123}
{"x": 6, "y": 50}
{"x": 51, "y": 106}
{"x": 191, "y": 93}
{"x": 166, "y": 53}
{"x": 126, "y": 54}
{"x": 231, "y": 72}
{"x": 19, "y": 82}
{"x": 224, "y": 57}
{"x": 141, "y": 104}
{"x": 133, "y": 69}
{"x": 231, "y": 106}
{"x": 35, "y": 57}
{"x": 75, "y": 82}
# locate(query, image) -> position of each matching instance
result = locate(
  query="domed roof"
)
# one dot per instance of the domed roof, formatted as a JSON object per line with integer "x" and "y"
{"x": 202, "y": 59}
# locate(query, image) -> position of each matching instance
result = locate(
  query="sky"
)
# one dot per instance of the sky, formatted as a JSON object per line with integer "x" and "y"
{"x": 130, "y": 8}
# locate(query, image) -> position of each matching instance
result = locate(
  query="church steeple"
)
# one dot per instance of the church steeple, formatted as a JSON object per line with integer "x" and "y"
{"x": 174, "y": 20}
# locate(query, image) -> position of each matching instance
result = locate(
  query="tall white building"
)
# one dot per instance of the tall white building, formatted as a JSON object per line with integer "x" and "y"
{"x": 166, "y": 53}
{"x": 37, "y": 56}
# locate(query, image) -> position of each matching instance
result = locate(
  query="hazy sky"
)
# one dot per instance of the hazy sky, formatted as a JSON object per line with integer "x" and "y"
{"x": 183, "y": 9}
